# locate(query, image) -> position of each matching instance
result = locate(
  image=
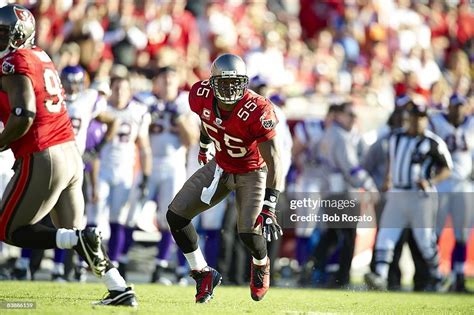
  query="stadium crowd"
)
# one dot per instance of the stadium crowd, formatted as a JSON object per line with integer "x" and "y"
{"x": 370, "y": 53}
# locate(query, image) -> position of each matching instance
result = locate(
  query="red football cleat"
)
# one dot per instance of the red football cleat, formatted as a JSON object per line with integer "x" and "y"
{"x": 259, "y": 280}
{"x": 206, "y": 281}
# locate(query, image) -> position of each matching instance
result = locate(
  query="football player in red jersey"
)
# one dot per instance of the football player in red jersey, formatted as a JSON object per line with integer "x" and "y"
{"x": 48, "y": 167}
{"x": 241, "y": 124}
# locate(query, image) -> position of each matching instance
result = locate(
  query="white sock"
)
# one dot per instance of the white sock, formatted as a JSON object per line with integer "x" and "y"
{"x": 260, "y": 262}
{"x": 458, "y": 267}
{"x": 58, "y": 268}
{"x": 66, "y": 238}
{"x": 181, "y": 270}
{"x": 114, "y": 281}
{"x": 22, "y": 263}
{"x": 382, "y": 269}
{"x": 161, "y": 263}
{"x": 196, "y": 260}
{"x": 123, "y": 259}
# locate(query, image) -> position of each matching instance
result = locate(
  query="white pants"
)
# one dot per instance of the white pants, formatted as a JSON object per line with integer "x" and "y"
{"x": 113, "y": 195}
{"x": 457, "y": 200}
{"x": 410, "y": 209}
{"x": 165, "y": 181}
{"x": 308, "y": 182}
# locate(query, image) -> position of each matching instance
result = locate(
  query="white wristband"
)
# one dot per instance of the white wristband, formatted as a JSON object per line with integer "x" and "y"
{"x": 205, "y": 145}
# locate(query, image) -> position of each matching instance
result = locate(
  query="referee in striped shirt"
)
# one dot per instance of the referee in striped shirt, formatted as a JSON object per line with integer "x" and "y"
{"x": 418, "y": 160}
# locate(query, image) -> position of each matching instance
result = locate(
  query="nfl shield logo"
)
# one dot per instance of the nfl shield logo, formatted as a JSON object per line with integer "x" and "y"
{"x": 268, "y": 123}
{"x": 7, "y": 68}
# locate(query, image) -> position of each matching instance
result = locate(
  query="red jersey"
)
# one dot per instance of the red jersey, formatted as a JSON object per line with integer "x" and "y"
{"x": 51, "y": 124}
{"x": 235, "y": 138}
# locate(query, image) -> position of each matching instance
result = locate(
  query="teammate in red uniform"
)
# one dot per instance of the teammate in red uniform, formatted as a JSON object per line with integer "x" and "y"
{"x": 241, "y": 124}
{"x": 48, "y": 167}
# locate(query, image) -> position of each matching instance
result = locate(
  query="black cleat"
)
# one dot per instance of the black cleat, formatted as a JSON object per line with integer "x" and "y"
{"x": 206, "y": 281}
{"x": 80, "y": 272}
{"x": 157, "y": 276}
{"x": 459, "y": 285}
{"x": 4, "y": 274}
{"x": 89, "y": 247}
{"x": 182, "y": 280}
{"x": 439, "y": 284}
{"x": 19, "y": 274}
{"x": 375, "y": 282}
{"x": 119, "y": 298}
{"x": 58, "y": 277}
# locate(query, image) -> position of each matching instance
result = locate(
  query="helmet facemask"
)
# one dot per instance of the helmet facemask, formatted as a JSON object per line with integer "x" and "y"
{"x": 229, "y": 88}
{"x": 17, "y": 28}
{"x": 18, "y": 38}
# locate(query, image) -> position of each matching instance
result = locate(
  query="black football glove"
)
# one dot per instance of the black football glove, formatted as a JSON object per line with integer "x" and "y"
{"x": 271, "y": 230}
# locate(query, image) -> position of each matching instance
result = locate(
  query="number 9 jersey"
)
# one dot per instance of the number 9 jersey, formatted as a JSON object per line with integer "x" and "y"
{"x": 235, "y": 134}
{"x": 51, "y": 125}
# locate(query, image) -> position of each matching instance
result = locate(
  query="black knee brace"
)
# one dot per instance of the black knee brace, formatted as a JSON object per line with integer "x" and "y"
{"x": 36, "y": 236}
{"x": 255, "y": 243}
{"x": 183, "y": 232}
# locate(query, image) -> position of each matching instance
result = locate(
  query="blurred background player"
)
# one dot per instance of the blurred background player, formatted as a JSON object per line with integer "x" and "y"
{"x": 456, "y": 128}
{"x": 170, "y": 136}
{"x": 414, "y": 154}
{"x": 306, "y": 137}
{"x": 117, "y": 160}
{"x": 341, "y": 174}
{"x": 376, "y": 163}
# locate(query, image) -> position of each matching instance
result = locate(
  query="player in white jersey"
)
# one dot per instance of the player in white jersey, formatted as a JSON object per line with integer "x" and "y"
{"x": 84, "y": 105}
{"x": 306, "y": 136}
{"x": 118, "y": 160}
{"x": 170, "y": 136}
{"x": 456, "y": 128}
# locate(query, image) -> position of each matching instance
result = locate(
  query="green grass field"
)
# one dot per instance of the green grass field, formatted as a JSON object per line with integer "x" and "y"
{"x": 74, "y": 298}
